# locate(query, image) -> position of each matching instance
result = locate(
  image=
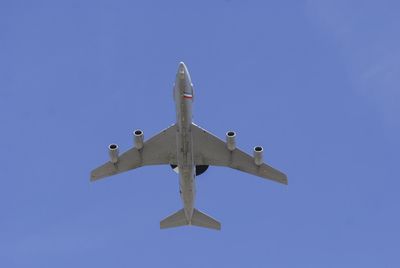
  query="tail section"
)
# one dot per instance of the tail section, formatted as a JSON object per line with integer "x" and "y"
{"x": 203, "y": 220}
{"x": 174, "y": 220}
{"x": 198, "y": 219}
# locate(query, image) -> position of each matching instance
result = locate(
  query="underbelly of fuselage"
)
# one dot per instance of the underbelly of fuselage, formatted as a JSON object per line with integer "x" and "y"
{"x": 187, "y": 170}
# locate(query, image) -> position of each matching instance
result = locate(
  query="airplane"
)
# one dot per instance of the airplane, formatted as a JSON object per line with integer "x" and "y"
{"x": 189, "y": 150}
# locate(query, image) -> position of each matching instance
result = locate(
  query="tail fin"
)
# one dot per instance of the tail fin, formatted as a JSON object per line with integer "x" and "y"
{"x": 198, "y": 219}
{"x": 203, "y": 220}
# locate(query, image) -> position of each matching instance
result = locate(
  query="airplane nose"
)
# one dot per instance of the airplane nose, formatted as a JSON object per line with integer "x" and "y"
{"x": 182, "y": 69}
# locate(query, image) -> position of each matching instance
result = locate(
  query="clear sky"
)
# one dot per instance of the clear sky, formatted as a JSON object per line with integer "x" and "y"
{"x": 316, "y": 82}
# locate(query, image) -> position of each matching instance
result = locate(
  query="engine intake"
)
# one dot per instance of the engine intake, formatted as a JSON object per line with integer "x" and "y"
{"x": 258, "y": 155}
{"x": 113, "y": 152}
{"x": 138, "y": 138}
{"x": 230, "y": 140}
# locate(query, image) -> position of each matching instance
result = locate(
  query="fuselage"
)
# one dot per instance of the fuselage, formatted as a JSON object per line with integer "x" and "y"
{"x": 183, "y": 96}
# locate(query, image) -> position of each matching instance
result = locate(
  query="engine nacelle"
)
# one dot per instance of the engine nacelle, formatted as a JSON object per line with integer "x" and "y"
{"x": 230, "y": 140}
{"x": 113, "y": 151}
{"x": 138, "y": 138}
{"x": 258, "y": 155}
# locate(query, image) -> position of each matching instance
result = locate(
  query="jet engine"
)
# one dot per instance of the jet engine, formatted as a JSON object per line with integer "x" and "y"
{"x": 230, "y": 140}
{"x": 138, "y": 138}
{"x": 113, "y": 152}
{"x": 258, "y": 155}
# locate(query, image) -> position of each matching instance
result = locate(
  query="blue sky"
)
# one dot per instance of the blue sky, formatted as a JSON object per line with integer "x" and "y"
{"x": 315, "y": 82}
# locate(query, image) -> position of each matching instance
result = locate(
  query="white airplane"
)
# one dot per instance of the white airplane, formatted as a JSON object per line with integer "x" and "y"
{"x": 189, "y": 150}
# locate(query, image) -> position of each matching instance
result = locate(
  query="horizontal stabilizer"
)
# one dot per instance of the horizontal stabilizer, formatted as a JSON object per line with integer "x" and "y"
{"x": 203, "y": 220}
{"x": 174, "y": 220}
{"x": 198, "y": 219}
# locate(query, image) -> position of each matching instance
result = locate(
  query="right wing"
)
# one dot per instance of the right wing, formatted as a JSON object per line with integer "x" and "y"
{"x": 158, "y": 150}
{"x": 210, "y": 150}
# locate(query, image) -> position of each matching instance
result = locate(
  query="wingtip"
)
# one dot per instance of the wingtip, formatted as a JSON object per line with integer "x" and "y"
{"x": 92, "y": 177}
{"x": 285, "y": 180}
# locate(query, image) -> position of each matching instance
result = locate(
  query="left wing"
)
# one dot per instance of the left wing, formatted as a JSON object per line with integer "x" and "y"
{"x": 210, "y": 150}
{"x": 158, "y": 150}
